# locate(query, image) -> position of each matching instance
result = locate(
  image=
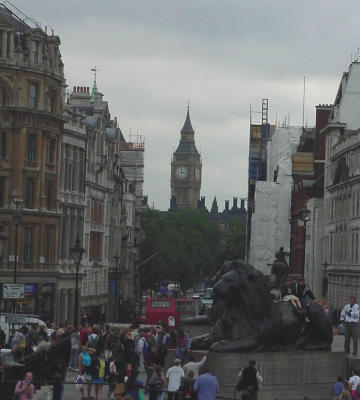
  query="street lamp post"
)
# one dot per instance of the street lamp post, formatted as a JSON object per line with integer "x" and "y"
{"x": 116, "y": 311}
{"x": 139, "y": 271}
{"x": 3, "y": 239}
{"x": 304, "y": 215}
{"x": 325, "y": 281}
{"x": 77, "y": 252}
{"x": 16, "y": 219}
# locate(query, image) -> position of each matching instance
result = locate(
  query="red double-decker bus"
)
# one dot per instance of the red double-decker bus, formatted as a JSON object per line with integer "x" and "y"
{"x": 170, "y": 312}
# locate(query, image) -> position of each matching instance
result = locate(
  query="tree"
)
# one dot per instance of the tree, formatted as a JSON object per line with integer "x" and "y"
{"x": 235, "y": 240}
{"x": 190, "y": 247}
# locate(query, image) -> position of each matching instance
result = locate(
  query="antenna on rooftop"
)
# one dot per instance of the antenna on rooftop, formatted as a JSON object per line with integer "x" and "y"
{"x": 303, "y": 105}
{"x": 95, "y": 70}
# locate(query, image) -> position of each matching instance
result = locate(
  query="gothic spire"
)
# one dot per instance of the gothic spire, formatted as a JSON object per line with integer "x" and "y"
{"x": 187, "y": 128}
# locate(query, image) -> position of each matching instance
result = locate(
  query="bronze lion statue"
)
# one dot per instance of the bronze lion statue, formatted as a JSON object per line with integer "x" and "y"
{"x": 247, "y": 319}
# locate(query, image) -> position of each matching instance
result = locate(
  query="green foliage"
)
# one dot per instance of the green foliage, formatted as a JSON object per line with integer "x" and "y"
{"x": 191, "y": 246}
{"x": 235, "y": 240}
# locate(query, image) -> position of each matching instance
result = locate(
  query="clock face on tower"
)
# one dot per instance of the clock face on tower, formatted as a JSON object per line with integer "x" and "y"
{"x": 197, "y": 173}
{"x": 181, "y": 172}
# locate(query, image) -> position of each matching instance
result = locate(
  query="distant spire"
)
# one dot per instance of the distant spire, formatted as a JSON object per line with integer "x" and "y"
{"x": 187, "y": 128}
{"x": 94, "y": 88}
{"x": 214, "y": 206}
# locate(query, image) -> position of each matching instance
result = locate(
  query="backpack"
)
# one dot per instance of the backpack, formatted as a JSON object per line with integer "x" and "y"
{"x": 21, "y": 344}
{"x": 357, "y": 391}
{"x": 17, "y": 396}
{"x": 156, "y": 385}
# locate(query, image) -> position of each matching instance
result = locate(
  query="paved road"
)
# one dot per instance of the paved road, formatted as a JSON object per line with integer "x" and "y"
{"x": 73, "y": 393}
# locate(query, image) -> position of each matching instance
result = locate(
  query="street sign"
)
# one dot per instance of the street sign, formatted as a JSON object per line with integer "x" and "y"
{"x": 16, "y": 319}
{"x": 13, "y": 291}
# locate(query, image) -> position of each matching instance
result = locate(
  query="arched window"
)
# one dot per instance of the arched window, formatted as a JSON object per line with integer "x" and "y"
{"x": 4, "y": 98}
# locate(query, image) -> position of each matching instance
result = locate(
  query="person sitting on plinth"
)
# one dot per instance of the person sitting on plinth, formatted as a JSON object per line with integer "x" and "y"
{"x": 288, "y": 293}
{"x": 303, "y": 292}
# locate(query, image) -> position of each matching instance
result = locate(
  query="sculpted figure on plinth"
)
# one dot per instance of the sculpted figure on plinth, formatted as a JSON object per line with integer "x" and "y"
{"x": 246, "y": 318}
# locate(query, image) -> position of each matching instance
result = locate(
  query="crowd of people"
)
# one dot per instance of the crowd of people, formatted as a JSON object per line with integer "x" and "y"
{"x": 116, "y": 357}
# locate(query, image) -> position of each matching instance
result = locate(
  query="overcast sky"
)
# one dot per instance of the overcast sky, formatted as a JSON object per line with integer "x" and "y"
{"x": 221, "y": 54}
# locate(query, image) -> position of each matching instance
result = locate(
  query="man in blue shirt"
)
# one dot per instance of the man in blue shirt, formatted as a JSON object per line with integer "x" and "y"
{"x": 337, "y": 388}
{"x": 206, "y": 386}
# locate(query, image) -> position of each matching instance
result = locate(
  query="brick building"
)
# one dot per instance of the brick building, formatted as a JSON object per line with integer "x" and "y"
{"x": 31, "y": 125}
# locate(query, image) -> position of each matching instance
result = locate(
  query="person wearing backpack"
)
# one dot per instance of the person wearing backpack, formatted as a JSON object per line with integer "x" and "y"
{"x": 182, "y": 344}
{"x": 142, "y": 352}
{"x": 24, "y": 390}
{"x": 18, "y": 344}
{"x": 354, "y": 385}
{"x": 157, "y": 383}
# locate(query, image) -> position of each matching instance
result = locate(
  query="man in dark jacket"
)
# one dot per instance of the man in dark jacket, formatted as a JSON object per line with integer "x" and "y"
{"x": 249, "y": 381}
{"x": 303, "y": 292}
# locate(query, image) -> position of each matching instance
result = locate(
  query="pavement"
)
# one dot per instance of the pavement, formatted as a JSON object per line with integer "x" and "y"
{"x": 73, "y": 393}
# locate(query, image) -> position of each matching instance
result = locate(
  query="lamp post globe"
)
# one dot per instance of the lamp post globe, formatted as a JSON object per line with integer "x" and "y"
{"x": 76, "y": 253}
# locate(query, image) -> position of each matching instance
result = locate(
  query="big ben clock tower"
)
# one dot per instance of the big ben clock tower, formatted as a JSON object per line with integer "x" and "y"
{"x": 186, "y": 166}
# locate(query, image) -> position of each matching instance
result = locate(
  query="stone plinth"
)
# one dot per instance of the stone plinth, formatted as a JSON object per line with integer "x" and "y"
{"x": 287, "y": 375}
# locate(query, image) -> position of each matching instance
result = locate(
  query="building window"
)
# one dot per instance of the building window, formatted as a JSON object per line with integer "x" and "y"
{"x": 29, "y": 193}
{"x": 97, "y": 212}
{"x": 31, "y": 148}
{"x": 35, "y": 51}
{"x": 50, "y": 244}
{"x": 28, "y": 235}
{"x": 4, "y": 98}
{"x": 2, "y": 191}
{"x": 32, "y": 96}
{"x": 3, "y": 144}
{"x": 95, "y": 246}
{"x": 53, "y": 100}
{"x": 51, "y": 151}
{"x": 50, "y": 193}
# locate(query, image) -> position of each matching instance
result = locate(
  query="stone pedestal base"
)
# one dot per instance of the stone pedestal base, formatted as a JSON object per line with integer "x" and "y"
{"x": 287, "y": 375}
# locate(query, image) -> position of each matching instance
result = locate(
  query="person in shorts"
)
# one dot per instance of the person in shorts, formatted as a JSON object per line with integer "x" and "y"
{"x": 99, "y": 370}
{"x": 84, "y": 365}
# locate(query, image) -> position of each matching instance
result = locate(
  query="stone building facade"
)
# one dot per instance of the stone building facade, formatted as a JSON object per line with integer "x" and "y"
{"x": 72, "y": 204}
{"x": 342, "y": 191}
{"x": 103, "y": 193}
{"x": 186, "y": 170}
{"x": 31, "y": 126}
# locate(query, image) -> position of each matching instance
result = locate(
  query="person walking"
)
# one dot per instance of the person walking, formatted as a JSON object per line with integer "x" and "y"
{"x": 182, "y": 344}
{"x": 84, "y": 365}
{"x": 157, "y": 383}
{"x": 337, "y": 388}
{"x": 174, "y": 376}
{"x": 188, "y": 392}
{"x": 194, "y": 366}
{"x": 350, "y": 316}
{"x": 206, "y": 386}
{"x": 99, "y": 367}
{"x": 24, "y": 390}
{"x": 249, "y": 379}
{"x": 75, "y": 345}
{"x": 353, "y": 384}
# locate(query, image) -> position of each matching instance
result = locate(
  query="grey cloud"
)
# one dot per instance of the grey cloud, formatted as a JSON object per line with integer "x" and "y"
{"x": 223, "y": 55}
